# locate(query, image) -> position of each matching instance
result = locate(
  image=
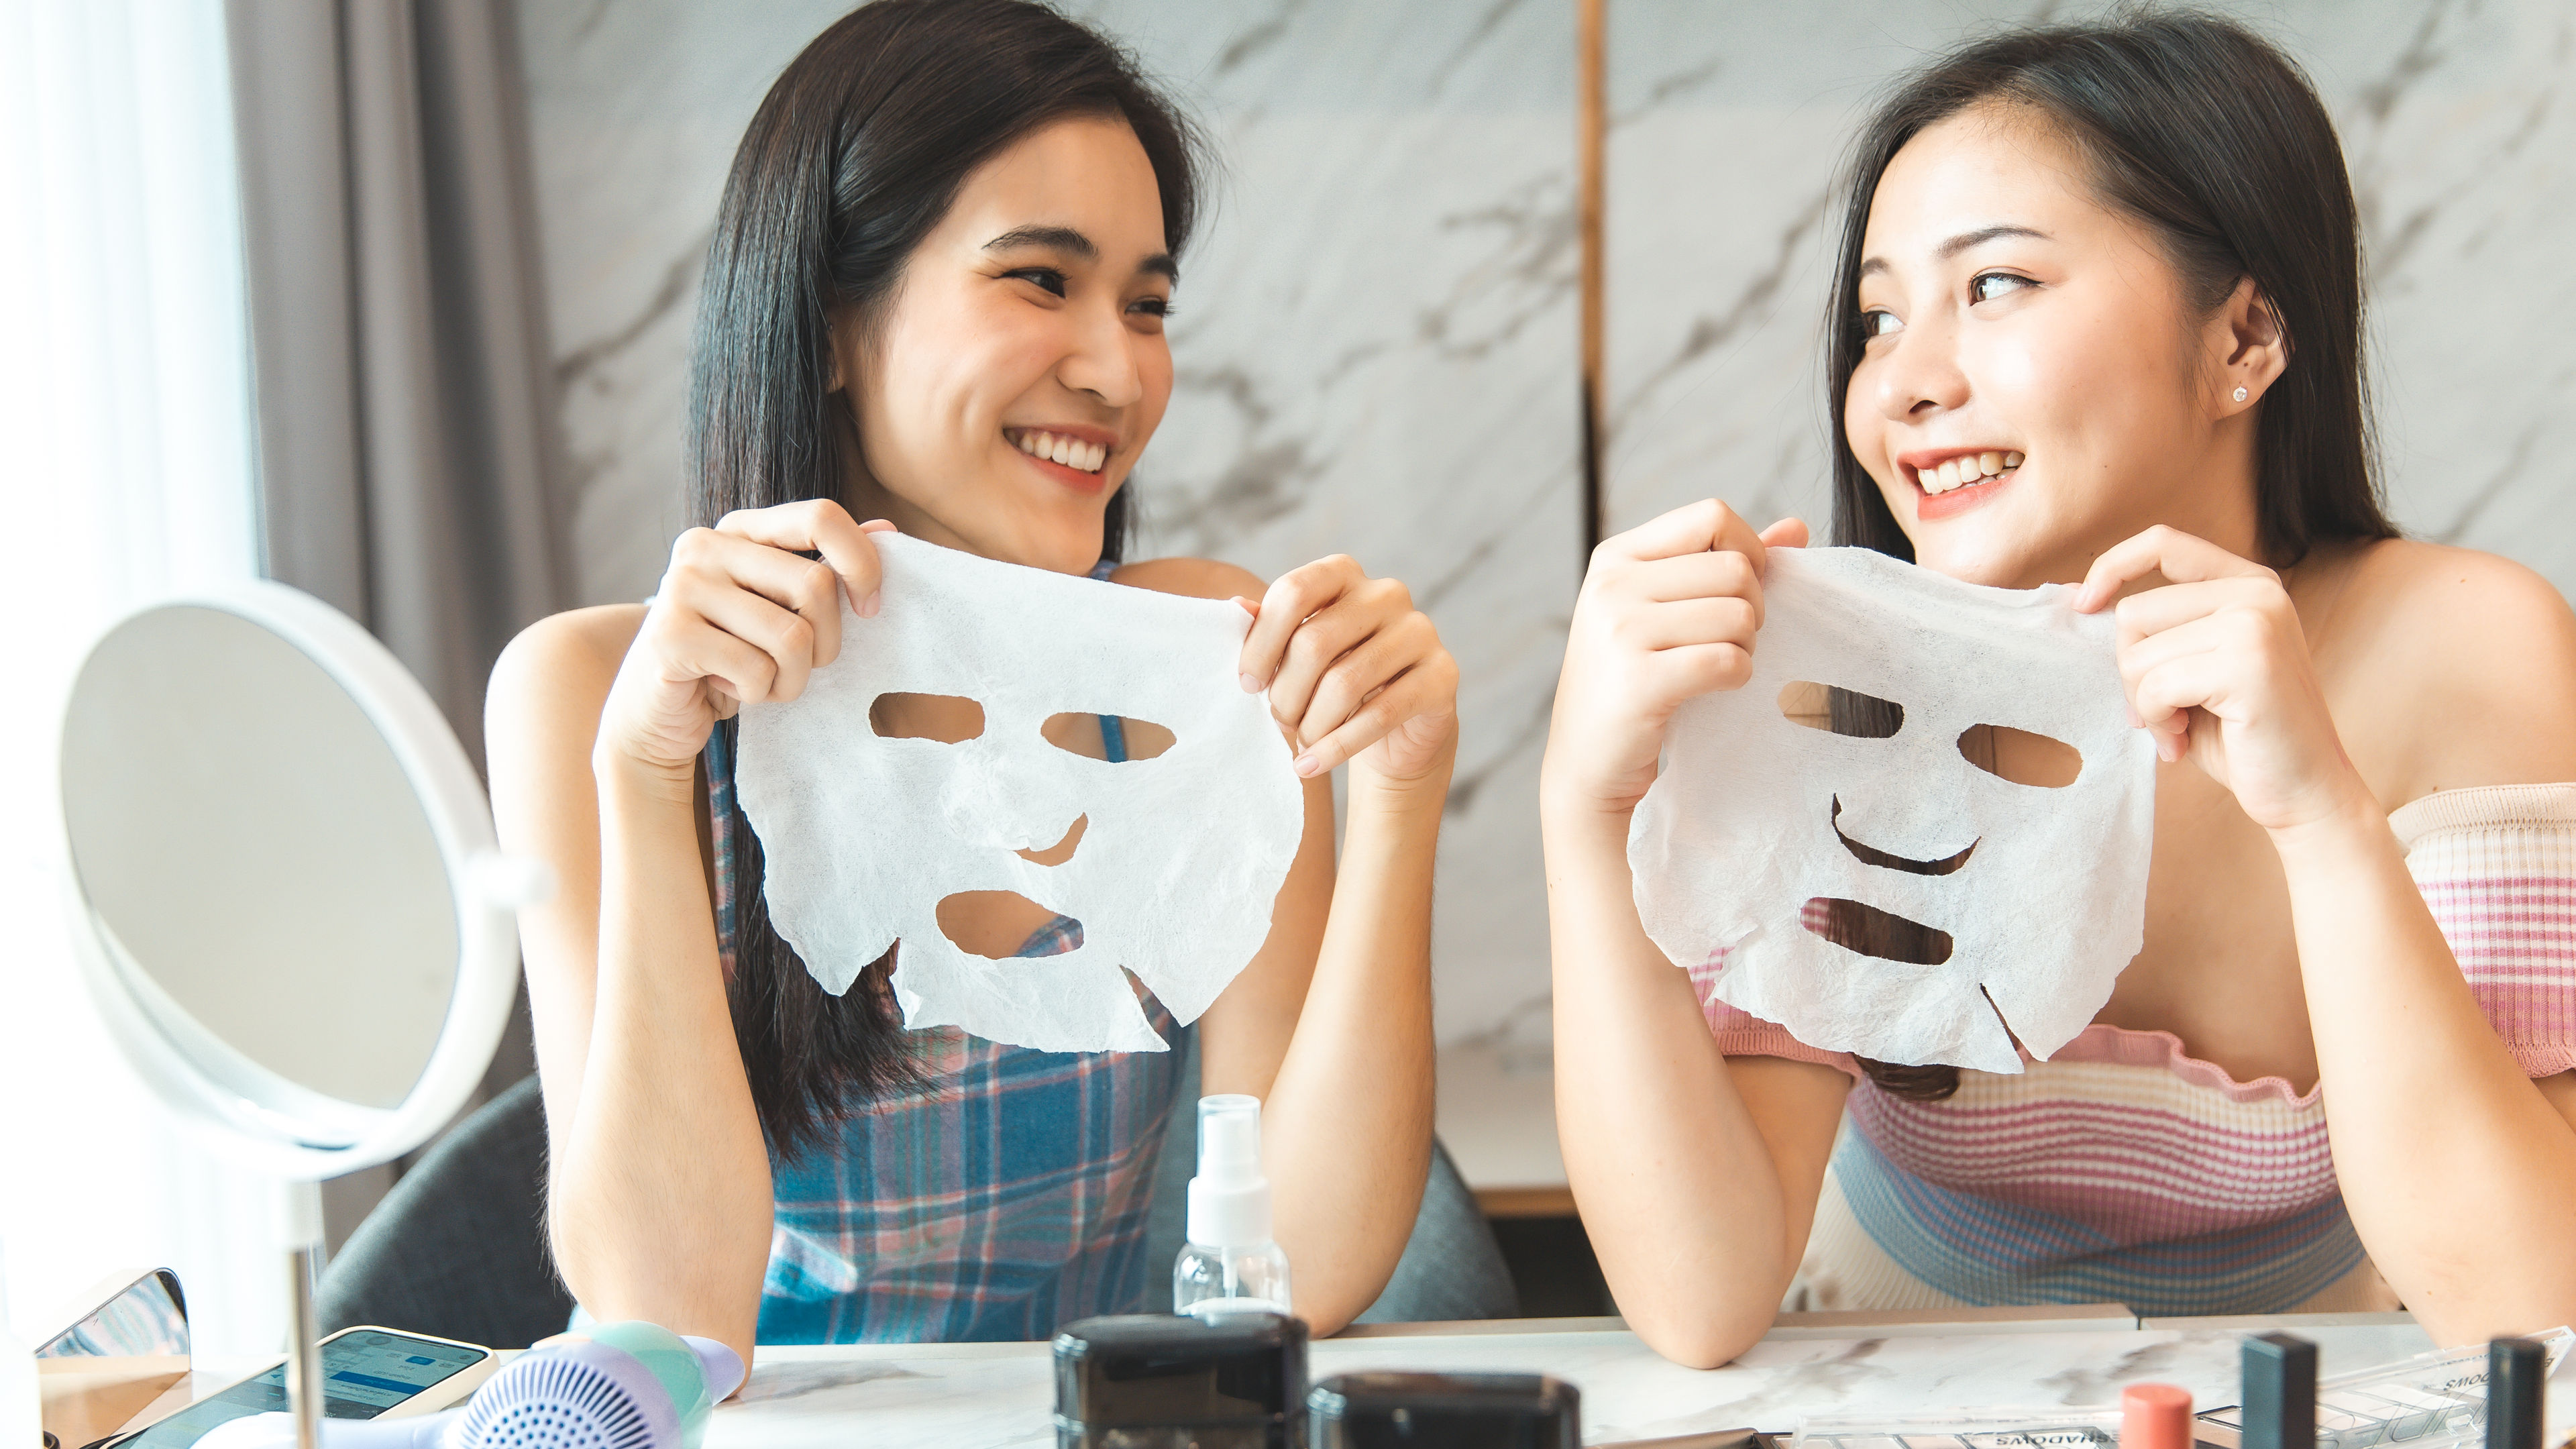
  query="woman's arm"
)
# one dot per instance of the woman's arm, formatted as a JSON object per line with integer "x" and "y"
{"x": 658, "y": 1188}
{"x": 2459, "y": 1171}
{"x": 1697, "y": 1176}
{"x": 1330, "y": 1024}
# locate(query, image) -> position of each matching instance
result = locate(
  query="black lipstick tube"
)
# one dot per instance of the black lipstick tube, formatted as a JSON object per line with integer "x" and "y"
{"x": 2279, "y": 1392}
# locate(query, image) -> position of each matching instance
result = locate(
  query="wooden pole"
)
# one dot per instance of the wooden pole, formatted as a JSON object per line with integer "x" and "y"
{"x": 1591, "y": 133}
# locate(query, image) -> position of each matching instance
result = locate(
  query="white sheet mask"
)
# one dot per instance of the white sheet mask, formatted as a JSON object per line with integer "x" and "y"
{"x": 1180, "y": 856}
{"x": 2041, "y": 892}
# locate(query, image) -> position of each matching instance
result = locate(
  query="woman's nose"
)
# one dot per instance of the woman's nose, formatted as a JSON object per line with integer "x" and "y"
{"x": 1920, "y": 375}
{"x": 1103, "y": 361}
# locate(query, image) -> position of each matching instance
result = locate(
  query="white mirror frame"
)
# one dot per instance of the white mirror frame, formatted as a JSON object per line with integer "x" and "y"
{"x": 487, "y": 890}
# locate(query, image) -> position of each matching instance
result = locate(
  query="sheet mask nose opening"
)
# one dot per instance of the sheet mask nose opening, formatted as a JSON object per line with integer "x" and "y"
{"x": 1062, "y": 850}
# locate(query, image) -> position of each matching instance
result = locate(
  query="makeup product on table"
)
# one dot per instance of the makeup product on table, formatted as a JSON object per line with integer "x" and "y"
{"x": 2516, "y": 1370}
{"x": 2433, "y": 1400}
{"x": 1212, "y": 1381}
{"x": 2155, "y": 1416}
{"x": 1443, "y": 1411}
{"x": 2278, "y": 1392}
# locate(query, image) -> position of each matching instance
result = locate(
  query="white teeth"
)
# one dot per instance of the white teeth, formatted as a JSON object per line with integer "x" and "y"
{"x": 1056, "y": 448}
{"x": 1955, "y": 473}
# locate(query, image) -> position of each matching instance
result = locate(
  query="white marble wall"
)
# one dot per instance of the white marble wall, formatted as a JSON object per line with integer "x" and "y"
{"x": 1373, "y": 345}
{"x": 1376, "y": 334}
{"x": 2458, "y": 121}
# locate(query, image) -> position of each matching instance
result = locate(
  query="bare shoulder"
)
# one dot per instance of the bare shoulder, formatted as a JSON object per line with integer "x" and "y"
{"x": 2467, "y": 660}
{"x": 562, "y": 665}
{"x": 1198, "y": 578}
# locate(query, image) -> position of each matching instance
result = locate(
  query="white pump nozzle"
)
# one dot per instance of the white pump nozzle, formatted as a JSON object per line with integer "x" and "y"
{"x": 1229, "y": 1199}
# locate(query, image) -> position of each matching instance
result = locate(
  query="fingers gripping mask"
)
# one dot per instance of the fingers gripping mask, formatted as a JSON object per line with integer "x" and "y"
{"x": 1173, "y": 861}
{"x": 1856, "y": 866}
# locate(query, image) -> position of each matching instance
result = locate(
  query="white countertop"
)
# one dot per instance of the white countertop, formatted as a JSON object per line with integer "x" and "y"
{"x": 989, "y": 1396}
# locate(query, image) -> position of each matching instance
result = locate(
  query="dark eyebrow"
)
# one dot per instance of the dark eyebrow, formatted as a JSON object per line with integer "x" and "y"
{"x": 1058, "y": 238}
{"x": 1073, "y": 243}
{"x": 1960, "y": 243}
{"x": 1983, "y": 235}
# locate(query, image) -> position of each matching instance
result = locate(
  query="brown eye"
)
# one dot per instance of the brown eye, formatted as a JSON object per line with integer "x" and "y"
{"x": 1991, "y": 285}
{"x": 1877, "y": 322}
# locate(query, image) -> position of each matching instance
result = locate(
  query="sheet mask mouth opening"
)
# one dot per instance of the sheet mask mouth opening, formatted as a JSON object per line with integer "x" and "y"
{"x": 968, "y": 919}
{"x": 1868, "y": 931}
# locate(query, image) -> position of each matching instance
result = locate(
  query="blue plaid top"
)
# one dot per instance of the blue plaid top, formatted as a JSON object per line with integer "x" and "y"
{"x": 1003, "y": 1202}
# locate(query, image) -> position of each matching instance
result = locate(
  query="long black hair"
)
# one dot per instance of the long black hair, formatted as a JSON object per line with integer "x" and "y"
{"x": 2215, "y": 140}
{"x": 854, "y": 156}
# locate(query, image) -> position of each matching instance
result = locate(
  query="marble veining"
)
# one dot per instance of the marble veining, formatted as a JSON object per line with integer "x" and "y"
{"x": 2455, "y": 127}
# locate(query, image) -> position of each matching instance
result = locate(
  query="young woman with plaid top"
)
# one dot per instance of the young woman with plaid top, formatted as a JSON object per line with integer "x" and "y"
{"x": 935, "y": 301}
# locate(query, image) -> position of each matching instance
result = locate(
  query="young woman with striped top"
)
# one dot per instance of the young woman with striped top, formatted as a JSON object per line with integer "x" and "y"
{"x": 2097, "y": 321}
{"x": 935, "y": 300}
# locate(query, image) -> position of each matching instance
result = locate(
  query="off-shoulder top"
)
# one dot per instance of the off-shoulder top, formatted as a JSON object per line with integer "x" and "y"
{"x": 2124, "y": 1169}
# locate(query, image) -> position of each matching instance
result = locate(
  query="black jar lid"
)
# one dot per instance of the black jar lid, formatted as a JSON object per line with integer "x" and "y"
{"x": 1444, "y": 1411}
{"x": 1151, "y": 1370}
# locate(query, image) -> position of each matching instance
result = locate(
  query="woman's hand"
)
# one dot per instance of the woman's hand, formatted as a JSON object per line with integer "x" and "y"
{"x": 1668, "y": 610}
{"x": 2216, "y": 665}
{"x": 1353, "y": 670}
{"x": 740, "y": 618}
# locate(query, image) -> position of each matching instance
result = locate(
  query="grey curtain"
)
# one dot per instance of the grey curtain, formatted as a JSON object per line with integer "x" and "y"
{"x": 407, "y": 453}
{"x": 407, "y": 448}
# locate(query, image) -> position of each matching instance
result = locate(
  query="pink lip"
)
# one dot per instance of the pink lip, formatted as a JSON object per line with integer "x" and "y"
{"x": 1931, "y": 507}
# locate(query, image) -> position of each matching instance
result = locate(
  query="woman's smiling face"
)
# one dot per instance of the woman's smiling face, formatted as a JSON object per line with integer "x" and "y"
{"x": 2034, "y": 386}
{"x": 1020, "y": 366}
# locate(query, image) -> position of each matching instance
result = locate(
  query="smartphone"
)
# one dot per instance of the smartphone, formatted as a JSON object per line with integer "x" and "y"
{"x": 367, "y": 1373}
{"x": 117, "y": 1360}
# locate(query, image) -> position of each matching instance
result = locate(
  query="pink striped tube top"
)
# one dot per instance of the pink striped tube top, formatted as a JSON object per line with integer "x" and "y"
{"x": 2125, "y": 1170}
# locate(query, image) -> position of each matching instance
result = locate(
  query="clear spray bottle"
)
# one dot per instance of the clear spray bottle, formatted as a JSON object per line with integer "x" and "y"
{"x": 1230, "y": 1262}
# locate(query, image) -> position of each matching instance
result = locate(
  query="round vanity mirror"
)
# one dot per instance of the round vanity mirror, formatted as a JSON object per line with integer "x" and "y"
{"x": 284, "y": 888}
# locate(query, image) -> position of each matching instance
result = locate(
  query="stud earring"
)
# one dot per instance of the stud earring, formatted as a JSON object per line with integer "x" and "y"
{"x": 2240, "y": 394}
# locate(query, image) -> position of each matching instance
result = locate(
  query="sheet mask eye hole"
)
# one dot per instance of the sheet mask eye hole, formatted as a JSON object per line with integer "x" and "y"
{"x": 946, "y": 718}
{"x": 1840, "y": 711}
{"x": 2020, "y": 756}
{"x": 1082, "y": 734}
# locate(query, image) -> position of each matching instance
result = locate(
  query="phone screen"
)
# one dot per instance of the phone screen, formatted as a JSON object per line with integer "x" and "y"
{"x": 364, "y": 1373}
